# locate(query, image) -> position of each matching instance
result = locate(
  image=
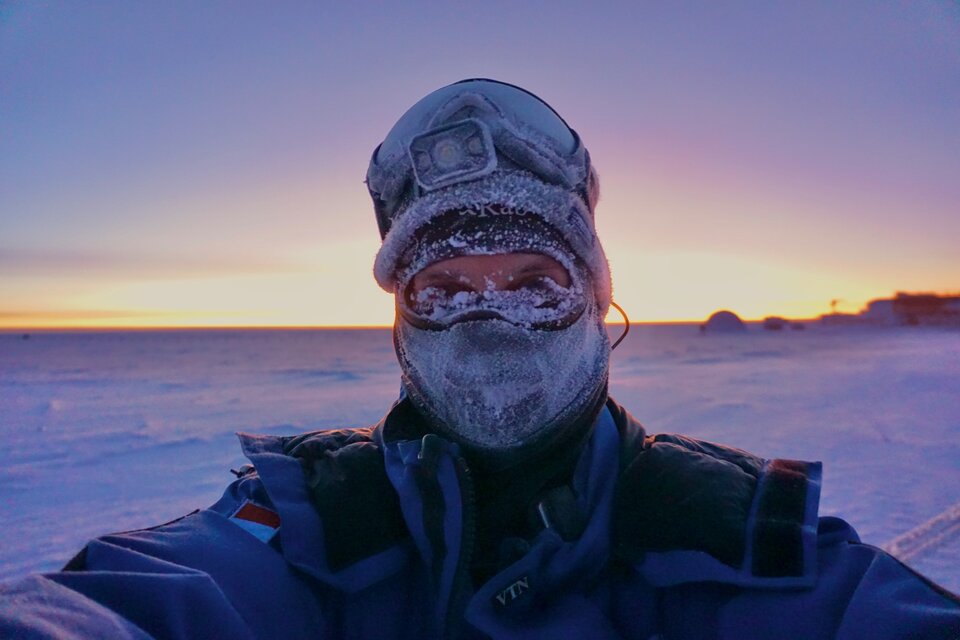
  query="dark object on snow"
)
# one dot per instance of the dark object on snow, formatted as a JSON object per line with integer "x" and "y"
{"x": 916, "y": 309}
{"x": 724, "y": 322}
{"x": 774, "y": 323}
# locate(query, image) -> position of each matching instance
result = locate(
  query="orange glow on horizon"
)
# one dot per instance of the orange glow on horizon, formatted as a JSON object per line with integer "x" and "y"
{"x": 329, "y": 284}
{"x": 146, "y": 320}
{"x": 652, "y": 286}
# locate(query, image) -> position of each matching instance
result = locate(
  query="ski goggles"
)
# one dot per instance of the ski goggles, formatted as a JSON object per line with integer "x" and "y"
{"x": 466, "y": 131}
{"x": 543, "y": 305}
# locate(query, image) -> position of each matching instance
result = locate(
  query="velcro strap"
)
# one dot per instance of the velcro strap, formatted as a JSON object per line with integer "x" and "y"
{"x": 778, "y": 524}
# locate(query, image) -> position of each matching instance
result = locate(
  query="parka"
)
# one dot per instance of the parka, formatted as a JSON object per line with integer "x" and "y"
{"x": 364, "y": 533}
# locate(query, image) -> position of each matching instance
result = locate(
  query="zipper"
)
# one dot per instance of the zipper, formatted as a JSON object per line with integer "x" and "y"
{"x": 461, "y": 587}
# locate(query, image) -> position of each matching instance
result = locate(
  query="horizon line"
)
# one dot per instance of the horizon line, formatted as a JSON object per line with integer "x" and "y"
{"x": 281, "y": 327}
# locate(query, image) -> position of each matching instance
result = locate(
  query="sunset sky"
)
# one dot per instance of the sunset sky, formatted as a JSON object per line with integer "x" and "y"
{"x": 202, "y": 163}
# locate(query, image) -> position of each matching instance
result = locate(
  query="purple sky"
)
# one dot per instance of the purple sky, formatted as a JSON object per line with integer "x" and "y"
{"x": 202, "y": 163}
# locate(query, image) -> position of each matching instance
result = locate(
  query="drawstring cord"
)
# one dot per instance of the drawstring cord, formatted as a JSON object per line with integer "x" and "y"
{"x": 626, "y": 327}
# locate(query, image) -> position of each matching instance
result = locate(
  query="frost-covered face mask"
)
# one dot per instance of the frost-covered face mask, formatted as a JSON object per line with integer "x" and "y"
{"x": 499, "y": 385}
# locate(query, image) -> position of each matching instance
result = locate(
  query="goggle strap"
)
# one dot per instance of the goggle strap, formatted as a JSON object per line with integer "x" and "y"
{"x": 538, "y": 159}
{"x": 449, "y": 111}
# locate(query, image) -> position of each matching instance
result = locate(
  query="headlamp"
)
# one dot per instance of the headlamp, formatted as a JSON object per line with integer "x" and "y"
{"x": 452, "y": 153}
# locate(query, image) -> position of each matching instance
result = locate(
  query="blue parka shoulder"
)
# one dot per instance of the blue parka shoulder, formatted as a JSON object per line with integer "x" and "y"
{"x": 365, "y": 533}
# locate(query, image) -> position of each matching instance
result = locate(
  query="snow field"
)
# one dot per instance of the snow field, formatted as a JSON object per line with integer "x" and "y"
{"x": 108, "y": 431}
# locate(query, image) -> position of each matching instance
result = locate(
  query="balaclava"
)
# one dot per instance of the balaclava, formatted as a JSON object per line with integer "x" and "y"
{"x": 481, "y": 168}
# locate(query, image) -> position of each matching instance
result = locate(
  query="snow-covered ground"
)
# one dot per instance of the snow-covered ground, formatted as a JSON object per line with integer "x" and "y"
{"x": 110, "y": 431}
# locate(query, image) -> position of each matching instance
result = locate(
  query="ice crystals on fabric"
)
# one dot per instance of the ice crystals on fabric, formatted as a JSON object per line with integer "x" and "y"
{"x": 537, "y": 303}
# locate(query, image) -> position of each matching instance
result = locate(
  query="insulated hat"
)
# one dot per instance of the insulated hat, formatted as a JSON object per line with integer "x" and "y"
{"x": 477, "y": 144}
{"x": 486, "y": 231}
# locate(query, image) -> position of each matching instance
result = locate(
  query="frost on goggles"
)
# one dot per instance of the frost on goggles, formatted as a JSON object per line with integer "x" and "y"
{"x": 532, "y": 303}
{"x": 518, "y": 104}
{"x": 466, "y": 131}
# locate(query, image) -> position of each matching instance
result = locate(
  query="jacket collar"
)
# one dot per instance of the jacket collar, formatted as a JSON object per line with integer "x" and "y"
{"x": 302, "y": 534}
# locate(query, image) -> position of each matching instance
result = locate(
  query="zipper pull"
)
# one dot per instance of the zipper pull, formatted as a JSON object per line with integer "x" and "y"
{"x": 431, "y": 448}
{"x": 559, "y": 510}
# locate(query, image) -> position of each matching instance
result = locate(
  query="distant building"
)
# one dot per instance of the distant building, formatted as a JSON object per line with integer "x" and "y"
{"x": 926, "y": 309}
{"x": 904, "y": 309}
{"x": 774, "y": 323}
{"x": 880, "y": 312}
{"x": 723, "y": 322}
{"x": 842, "y": 319}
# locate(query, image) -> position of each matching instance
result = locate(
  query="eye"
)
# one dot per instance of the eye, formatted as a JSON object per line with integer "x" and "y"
{"x": 450, "y": 288}
{"x": 532, "y": 281}
{"x": 435, "y": 289}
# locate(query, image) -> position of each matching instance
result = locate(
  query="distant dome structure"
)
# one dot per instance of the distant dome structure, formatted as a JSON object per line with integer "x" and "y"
{"x": 724, "y": 322}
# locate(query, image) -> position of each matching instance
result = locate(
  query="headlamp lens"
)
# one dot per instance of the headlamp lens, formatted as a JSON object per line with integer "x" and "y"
{"x": 459, "y": 151}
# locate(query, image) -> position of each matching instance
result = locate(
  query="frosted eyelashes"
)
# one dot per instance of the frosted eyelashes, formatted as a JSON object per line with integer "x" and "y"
{"x": 533, "y": 303}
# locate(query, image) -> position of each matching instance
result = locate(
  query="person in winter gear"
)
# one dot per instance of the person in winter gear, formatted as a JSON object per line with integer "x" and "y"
{"x": 505, "y": 494}
{"x": 480, "y": 170}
